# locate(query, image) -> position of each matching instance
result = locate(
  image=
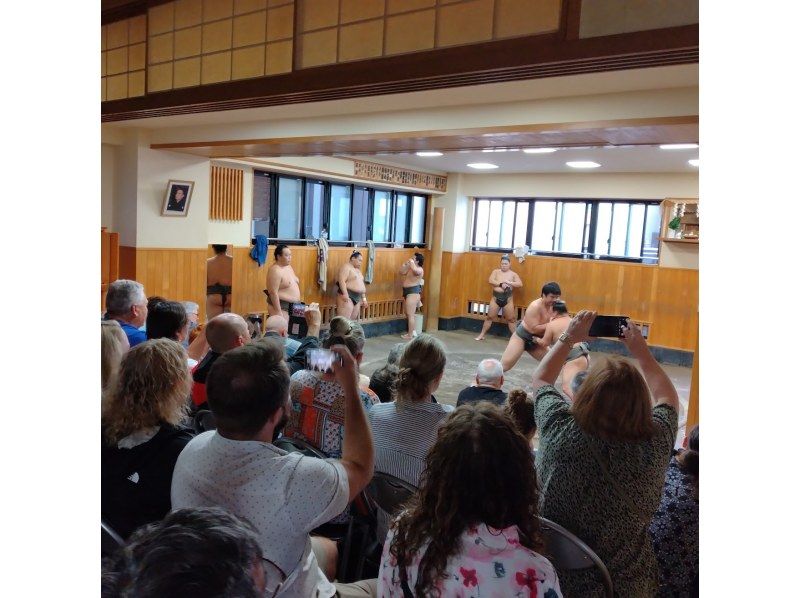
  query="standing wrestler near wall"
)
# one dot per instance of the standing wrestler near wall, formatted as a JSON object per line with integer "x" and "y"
{"x": 283, "y": 286}
{"x": 503, "y": 282}
{"x": 219, "y": 273}
{"x": 352, "y": 293}
{"x": 412, "y": 273}
{"x": 533, "y": 324}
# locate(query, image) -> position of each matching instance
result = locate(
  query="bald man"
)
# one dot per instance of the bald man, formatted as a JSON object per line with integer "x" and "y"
{"x": 277, "y": 326}
{"x": 223, "y": 333}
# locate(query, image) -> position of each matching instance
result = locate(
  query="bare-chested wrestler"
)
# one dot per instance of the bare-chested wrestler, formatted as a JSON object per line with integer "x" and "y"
{"x": 352, "y": 293}
{"x": 533, "y": 324}
{"x": 503, "y": 282}
{"x": 283, "y": 286}
{"x": 219, "y": 273}
{"x": 578, "y": 357}
{"x": 412, "y": 273}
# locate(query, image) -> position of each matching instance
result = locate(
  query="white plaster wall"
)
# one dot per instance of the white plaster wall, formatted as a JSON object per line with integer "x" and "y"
{"x": 125, "y": 183}
{"x": 108, "y": 176}
{"x": 457, "y": 209}
{"x": 679, "y": 255}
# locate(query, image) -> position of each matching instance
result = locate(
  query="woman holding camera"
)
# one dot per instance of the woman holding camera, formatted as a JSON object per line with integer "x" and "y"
{"x": 602, "y": 458}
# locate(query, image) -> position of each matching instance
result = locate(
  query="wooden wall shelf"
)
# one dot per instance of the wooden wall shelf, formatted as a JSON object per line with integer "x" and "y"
{"x": 667, "y": 240}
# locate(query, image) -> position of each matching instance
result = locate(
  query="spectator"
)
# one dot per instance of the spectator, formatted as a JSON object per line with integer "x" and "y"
{"x": 193, "y": 334}
{"x": 193, "y": 313}
{"x": 277, "y": 326}
{"x": 284, "y": 495}
{"x": 577, "y": 381}
{"x": 127, "y": 304}
{"x": 168, "y": 319}
{"x": 297, "y": 361}
{"x": 473, "y": 522}
{"x": 488, "y": 385}
{"x": 602, "y": 458}
{"x": 113, "y": 345}
{"x": 675, "y": 526}
{"x": 318, "y": 399}
{"x": 142, "y": 434}
{"x": 382, "y": 380}
{"x": 519, "y": 408}
{"x": 223, "y": 333}
{"x": 203, "y": 553}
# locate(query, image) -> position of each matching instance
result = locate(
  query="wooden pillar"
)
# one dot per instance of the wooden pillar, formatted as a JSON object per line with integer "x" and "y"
{"x": 693, "y": 414}
{"x": 433, "y": 279}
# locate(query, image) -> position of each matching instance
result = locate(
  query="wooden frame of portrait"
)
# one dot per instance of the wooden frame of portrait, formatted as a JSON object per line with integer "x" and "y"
{"x": 170, "y": 206}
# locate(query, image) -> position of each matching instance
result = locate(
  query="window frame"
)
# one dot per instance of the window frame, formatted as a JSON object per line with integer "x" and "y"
{"x": 590, "y": 223}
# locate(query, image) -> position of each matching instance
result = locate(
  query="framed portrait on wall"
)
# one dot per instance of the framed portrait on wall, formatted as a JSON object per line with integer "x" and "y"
{"x": 176, "y": 201}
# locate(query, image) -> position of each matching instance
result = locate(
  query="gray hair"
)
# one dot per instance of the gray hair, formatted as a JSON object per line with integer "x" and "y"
{"x": 395, "y": 353}
{"x": 191, "y": 307}
{"x": 489, "y": 371}
{"x": 123, "y": 294}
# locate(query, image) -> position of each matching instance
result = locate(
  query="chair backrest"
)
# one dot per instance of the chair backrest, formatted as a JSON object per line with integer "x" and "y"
{"x": 389, "y": 492}
{"x": 110, "y": 541}
{"x": 204, "y": 421}
{"x": 295, "y": 445}
{"x": 568, "y": 552}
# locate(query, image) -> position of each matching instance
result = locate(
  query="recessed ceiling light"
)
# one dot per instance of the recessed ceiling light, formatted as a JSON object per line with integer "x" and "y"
{"x": 482, "y": 165}
{"x": 540, "y": 150}
{"x": 583, "y": 164}
{"x": 670, "y": 146}
{"x": 429, "y": 154}
{"x": 695, "y": 162}
{"x": 487, "y": 150}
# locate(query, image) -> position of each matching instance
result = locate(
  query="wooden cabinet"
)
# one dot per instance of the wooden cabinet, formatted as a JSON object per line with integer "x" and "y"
{"x": 687, "y": 211}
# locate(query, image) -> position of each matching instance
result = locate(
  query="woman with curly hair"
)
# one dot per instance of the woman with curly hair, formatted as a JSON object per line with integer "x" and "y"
{"x": 472, "y": 529}
{"x": 142, "y": 434}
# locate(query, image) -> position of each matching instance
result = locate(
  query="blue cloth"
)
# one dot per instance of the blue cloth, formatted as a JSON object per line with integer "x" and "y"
{"x": 259, "y": 251}
{"x": 135, "y": 336}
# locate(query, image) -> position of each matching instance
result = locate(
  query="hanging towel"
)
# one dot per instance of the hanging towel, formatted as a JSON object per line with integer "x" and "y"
{"x": 370, "y": 262}
{"x": 259, "y": 250}
{"x": 322, "y": 261}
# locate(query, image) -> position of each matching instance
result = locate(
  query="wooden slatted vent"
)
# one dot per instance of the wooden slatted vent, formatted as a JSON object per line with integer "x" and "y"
{"x": 227, "y": 193}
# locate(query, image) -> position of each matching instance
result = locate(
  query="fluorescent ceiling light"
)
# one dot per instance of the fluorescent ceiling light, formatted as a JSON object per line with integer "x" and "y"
{"x": 540, "y": 150}
{"x": 695, "y": 162}
{"x": 429, "y": 154}
{"x": 671, "y": 146}
{"x": 583, "y": 164}
{"x": 482, "y": 165}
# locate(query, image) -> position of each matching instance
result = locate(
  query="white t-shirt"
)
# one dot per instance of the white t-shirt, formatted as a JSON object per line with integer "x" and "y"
{"x": 284, "y": 495}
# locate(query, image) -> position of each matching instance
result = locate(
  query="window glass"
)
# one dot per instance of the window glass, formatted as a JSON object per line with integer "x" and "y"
{"x": 602, "y": 240}
{"x": 651, "y": 229}
{"x": 380, "y": 216}
{"x": 482, "y": 223}
{"x": 521, "y": 225}
{"x": 315, "y": 197}
{"x": 507, "y": 224}
{"x": 635, "y": 228}
{"x": 289, "y": 203}
{"x": 400, "y": 217}
{"x": 418, "y": 205}
{"x": 495, "y": 222}
{"x": 261, "y": 195}
{"x": 571, "y": 227}
{"x": 340, "y": 213}
{"x": 544, "y": 219}
{"x": 619, "y": 228}
{"x": 360, "y": 228}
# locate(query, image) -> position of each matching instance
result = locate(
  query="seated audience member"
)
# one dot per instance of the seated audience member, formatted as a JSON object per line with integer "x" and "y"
{"x": 318, "y": 399}
{"x": 311, "y": 340}
{"x": 277, "y": 326}
{"x": 610, "y": 447}
{"x": 519, "y": 408}
{"x": 203, "y": 553}
{"x": 223, "y": 333}
{"x": 193, "y": 313}
{"x": 142, "y": 434}
{"x": 113, "y": 345}
{"x": 675, "y": 526}
{"x": 193, "y": 334}
{"x": 168, "y": 319}
{"x": 284, "y": 495}
{"x": 488, "y": 385}
{"x": 472, "y": 529}
{"x": 127, "y": 304}
{"x": 382, "y": 380}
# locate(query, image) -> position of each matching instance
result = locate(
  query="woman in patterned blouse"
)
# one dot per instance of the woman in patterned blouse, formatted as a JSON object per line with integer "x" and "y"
{"x": 675, "y": 527}
{"x": 472, "y": 529}
{"x": 602, "y": 458}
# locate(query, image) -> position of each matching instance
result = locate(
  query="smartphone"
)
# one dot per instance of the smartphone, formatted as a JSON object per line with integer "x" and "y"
{"x": 298, "y": 310}
{"x": 610, "y": 326}
{"x": 321, "y": 360}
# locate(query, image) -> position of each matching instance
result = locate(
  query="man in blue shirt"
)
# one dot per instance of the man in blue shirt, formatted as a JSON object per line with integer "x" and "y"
{"x": 126, "y": 303}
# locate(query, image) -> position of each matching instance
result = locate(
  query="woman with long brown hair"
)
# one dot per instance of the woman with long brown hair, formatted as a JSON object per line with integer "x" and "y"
{"x": 472, "y": 528}
{"x": 602, "y": 458}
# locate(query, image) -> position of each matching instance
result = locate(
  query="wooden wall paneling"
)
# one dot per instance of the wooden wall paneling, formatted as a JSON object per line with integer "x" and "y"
{"x": 434, "y": 272}
{"x": 693, "y": 411}
{"x": 127, "y": 262}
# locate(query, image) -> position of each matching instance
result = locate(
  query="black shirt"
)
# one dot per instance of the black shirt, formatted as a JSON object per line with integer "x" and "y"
{"x": 473, "y": 394}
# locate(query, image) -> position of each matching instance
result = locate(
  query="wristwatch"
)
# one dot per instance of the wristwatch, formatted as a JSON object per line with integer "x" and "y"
{"x": 565, "y": 338}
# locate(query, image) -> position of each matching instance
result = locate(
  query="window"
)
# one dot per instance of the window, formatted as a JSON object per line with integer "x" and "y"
{"x": 290, "y": 200}
{"x": 312, "y": 219}
{"x": 340, "y": 213}
{"x": 600, "y": 229}
{"x": 381, "y": 215}
{"x": 400, "y": 217}
{"x": 262, "y": 196}
{"x": 418, "y": 211}
{"x": 361, "y": 227}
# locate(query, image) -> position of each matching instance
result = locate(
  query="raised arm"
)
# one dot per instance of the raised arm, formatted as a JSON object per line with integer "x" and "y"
{"x": 404, "y": 268}
{"x": 273, "y": 284}
{"x": 358, "y": 456}
{"x": 658, "y": 382}
{"x": 549, "y": 367}
{"x": 417, "y": 270}
{"x": 310, "y": 341}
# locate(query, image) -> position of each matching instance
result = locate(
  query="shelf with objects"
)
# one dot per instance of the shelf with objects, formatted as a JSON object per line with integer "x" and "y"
{"x": 680, "y": 221}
